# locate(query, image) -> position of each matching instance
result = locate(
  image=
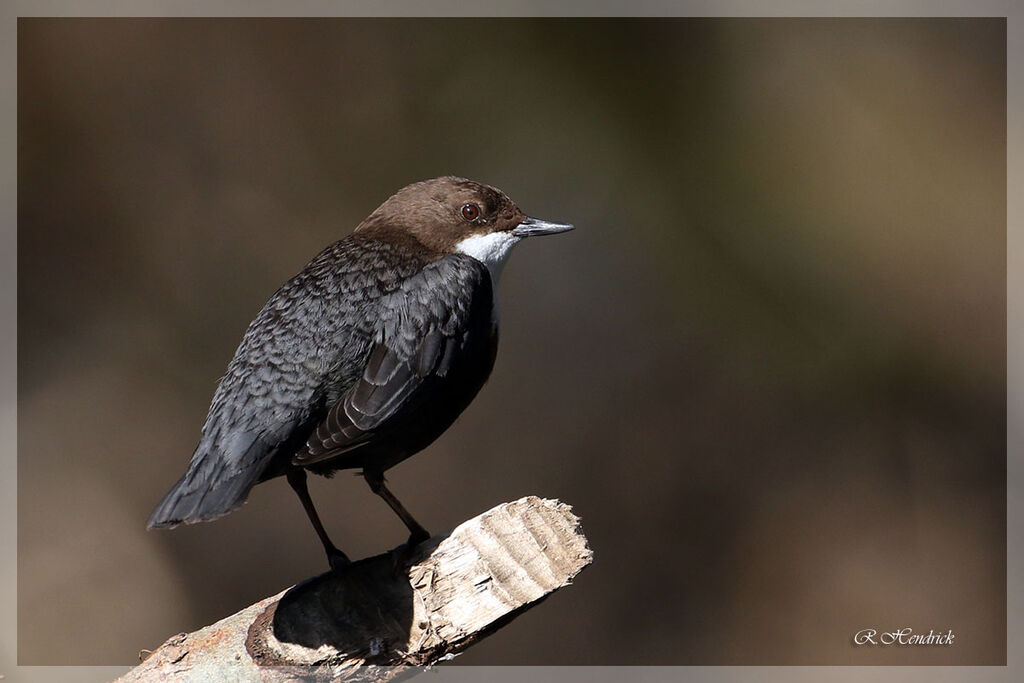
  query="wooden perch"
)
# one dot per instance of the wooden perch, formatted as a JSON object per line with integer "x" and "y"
{"x": 371, "y": 623}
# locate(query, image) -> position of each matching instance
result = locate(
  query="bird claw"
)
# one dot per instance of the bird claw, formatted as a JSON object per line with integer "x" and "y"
{"x": 401, "y": 557}
{"x": 338, "y": 560}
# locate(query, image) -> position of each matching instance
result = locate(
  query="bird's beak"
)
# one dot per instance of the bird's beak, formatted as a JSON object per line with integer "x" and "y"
{"x": 535, "y": 226}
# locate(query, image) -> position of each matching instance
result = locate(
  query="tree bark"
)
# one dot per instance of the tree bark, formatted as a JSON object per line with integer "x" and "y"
{"x": 373, "y": 621}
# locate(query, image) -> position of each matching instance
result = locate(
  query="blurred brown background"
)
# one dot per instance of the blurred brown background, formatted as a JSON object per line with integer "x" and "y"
{"x": 768, "y": 369}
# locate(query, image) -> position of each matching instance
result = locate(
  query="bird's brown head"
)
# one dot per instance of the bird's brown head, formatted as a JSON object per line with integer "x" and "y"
{"x": 449, "y": 214}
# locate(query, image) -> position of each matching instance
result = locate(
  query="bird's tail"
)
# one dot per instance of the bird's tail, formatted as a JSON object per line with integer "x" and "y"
{"x": 211, "y": 488}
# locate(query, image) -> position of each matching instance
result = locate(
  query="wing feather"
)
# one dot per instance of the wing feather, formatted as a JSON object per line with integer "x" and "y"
{"x": 425, "y": 326}
{"x": 310, "y": 340}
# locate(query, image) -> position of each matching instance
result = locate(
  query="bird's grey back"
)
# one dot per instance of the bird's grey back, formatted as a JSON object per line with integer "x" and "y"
{"x": 303, "y": 350}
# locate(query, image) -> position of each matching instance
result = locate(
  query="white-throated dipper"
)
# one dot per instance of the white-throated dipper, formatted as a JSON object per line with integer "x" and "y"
{"x": 362, "y": 359}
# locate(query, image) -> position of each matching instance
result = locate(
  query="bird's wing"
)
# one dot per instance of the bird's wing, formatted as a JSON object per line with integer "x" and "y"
{"x": 426, "y": 329}
{"x": 318, "y": 324}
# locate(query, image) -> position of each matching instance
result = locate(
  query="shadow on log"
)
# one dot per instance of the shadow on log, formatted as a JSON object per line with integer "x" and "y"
{"x": 371, "y": 622}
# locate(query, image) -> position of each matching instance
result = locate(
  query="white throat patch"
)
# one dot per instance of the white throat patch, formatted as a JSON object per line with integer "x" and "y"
{"x": 491, "y": 249}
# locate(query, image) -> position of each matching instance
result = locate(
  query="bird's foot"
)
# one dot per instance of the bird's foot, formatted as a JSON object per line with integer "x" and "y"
{"x": 401, "y": 557}
{"x": 338, "y": 560}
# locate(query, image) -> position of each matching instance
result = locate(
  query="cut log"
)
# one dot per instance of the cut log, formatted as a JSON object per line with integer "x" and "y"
{"x": 373, "y": 621}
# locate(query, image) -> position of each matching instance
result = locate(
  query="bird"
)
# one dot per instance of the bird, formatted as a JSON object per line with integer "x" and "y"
{"x": 362, "y": 359}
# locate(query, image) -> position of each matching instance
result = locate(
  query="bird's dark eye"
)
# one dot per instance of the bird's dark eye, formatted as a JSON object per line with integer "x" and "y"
{"x": 470, "y": 212}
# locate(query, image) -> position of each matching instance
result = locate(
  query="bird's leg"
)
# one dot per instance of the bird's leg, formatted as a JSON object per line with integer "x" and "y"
{"x": 417, "y": 534}
{"x": 297, "y": 479}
